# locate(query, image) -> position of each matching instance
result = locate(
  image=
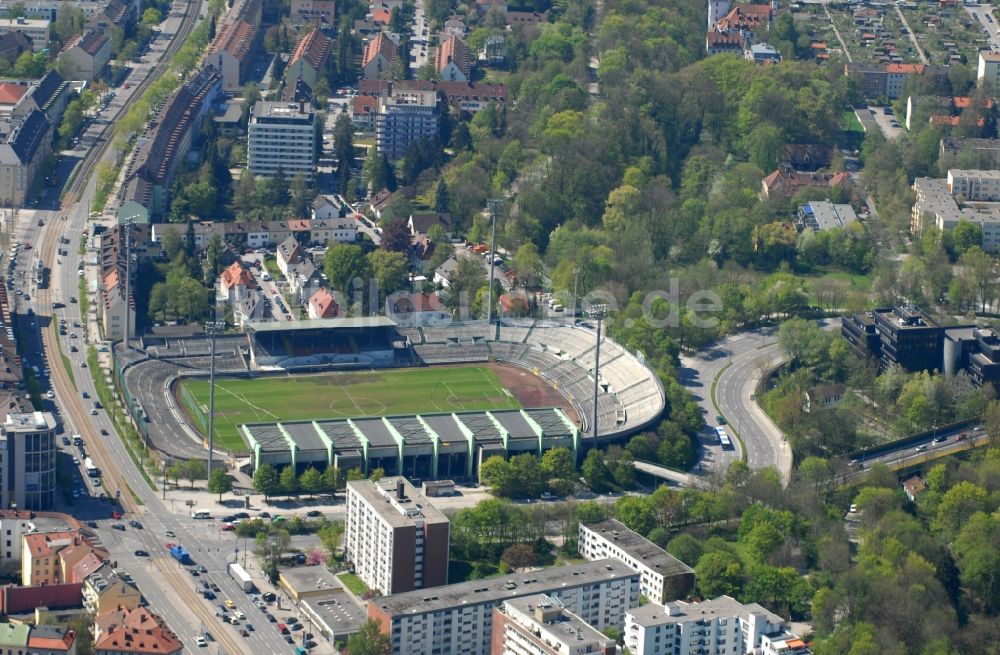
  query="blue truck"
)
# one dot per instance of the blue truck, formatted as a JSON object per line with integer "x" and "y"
{"x": 180, "y": 554}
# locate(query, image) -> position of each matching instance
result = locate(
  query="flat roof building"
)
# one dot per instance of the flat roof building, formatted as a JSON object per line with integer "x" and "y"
{"x": 458, "y": 619}
{"x": 540, "y": 625}
{"x": 396, "y": 539}
{"x": 721, "y": 626}
{"x": 818, "y": 215}
{"x": 404, "y": 118}
{"x": 282, "y": 136}
{"x": 663, "y": 576}
{"x": 28, "y": 461}
{"x": 323, "y": 600}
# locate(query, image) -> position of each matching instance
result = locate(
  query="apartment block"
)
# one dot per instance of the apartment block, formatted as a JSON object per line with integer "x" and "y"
{"x": 540, "y": 625}
{"x": 134, "y": 632}
{"x": 14, "y": 524}
{"x": 404, "y": 118}
{"x": 282, "y": 136}
{"x": 663, "y": 577}
{"x": 40, "y": 557}
{"x": 314, "y": 11}
{"x": 721, "y": 626}
{"x": 989, "y": 68}
{"x": 937, "y": 203}
{"x": 396, "y": 539}
{"x": 104, "y": 590}
{"x": 458, "y": 619}
{"x": 28, "y": 461}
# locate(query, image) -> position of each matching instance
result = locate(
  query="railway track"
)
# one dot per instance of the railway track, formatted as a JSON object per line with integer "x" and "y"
{"x": 88, "y": 164}
{"x": 183, "y": 586}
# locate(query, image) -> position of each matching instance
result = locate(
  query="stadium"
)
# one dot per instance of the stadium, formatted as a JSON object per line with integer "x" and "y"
{"x": 427, "y": 402}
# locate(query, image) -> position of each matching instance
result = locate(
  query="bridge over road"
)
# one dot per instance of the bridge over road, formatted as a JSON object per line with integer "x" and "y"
{"x": 682, "y": 479}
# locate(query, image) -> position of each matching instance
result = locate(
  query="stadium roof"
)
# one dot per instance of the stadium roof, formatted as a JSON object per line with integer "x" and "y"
{"x": 321, "y": 324}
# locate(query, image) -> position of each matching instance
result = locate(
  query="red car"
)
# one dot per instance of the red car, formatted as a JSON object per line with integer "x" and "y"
{"x": 282, "y": 628}
{"x": 227, "y": 527}
{"x": 116, "y": 515}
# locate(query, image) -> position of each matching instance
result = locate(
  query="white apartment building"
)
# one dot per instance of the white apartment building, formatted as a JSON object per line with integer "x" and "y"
{"x": 404, "y": 118}
{"x": 458, "y": 619}
{"x": 36, "y": 29}
{"x": 937, "y": 206}
{"x": 989, "y": 68}
{"x": 396, "y": 539}
{"x": 13, "y": 525}
{"x": 663, "y": 577}
{"x": 722, "y": 626}
{"x": 282, "y": 136}
{"x": 974, "y": 186}
{"x": 540, "y": 625}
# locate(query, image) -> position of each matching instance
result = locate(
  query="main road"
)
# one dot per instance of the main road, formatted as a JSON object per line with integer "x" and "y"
{"x": 168, "y": 588}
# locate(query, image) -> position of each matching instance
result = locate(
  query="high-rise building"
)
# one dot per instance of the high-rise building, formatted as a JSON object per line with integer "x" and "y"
{"x": 28, "y": 461}
{"x": 540, "y": 625}
{"x": 663, "y": 576}
{"x": 404, "y": 118}
{"x": 397, "y": 540}
{"x": 282, "y": 136}
{"x": 458, "y": 619}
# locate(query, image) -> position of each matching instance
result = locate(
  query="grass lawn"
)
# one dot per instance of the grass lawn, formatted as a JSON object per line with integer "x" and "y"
{"x": 342, "y": 395}
{"x": 849, "y": 121}
{"x": 353, "y": 583}
{"x": 848, "y": 280}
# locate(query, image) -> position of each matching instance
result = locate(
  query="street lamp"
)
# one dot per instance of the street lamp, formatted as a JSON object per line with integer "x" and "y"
{"x": 494, "y": 204}
{"x": 597, "y": 313}
{"x": 576, "y": 286}
{"x": 212, "y": 328}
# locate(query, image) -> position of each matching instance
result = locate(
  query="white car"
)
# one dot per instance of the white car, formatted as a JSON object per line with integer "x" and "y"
{"x": 50, "y": 394}
{"x": 239, "y": 614}
{"x": 200, "y": 641}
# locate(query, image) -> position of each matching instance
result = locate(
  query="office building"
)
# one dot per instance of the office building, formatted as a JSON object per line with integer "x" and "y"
{"x": 282, "y": 136}
{"x": 334, "y": 612}
{"x": 540, "y": 625}
{"x": 396, "y": 539}
{"x": 721, "y": 626}
{"x": 28, "y": 461}
{"x": 663, "y": 577}
{"x": 404, "y": 118}
{"x": 458, "y": 619}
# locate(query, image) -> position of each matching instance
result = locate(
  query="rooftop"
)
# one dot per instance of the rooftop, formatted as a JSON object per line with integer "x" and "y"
{"x": 555, "y": 623}
{"x": 723, "y": 607}
{"x": 397, "y": 501}
{"x": 642, "y": 549}
{"x": 509, "y": 587}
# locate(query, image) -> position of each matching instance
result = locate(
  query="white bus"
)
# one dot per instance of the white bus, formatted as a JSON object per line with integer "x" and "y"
{"x": 201, "y": 514}
{"x": 92, "y": 470}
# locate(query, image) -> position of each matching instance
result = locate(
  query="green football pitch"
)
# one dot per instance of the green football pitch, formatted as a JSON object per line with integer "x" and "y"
{"x": 342, "y": 395}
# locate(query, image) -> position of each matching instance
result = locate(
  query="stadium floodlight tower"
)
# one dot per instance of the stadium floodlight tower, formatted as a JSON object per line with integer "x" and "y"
{"x": 212, "y": 328}
{"x": 597, "y": 313}
{"x": 495, "y": 204}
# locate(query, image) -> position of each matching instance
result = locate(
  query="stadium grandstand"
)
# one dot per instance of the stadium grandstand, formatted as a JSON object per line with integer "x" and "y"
{"x": 426, "y": 446}
{"x": 367, "y": 341}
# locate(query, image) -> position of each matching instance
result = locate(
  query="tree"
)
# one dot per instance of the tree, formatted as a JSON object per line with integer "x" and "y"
{"x": 376, "y": 474}
{"x": 958, "y": 504}
{"x": 441, "y": 198}
{"x": 220, "y": 482}
{"x": 369, "y": 640}
{"x": 497, "y": 474}
{"x": 311, "y": 481}
{"x": 288, "y": 481}
{"x": 343, "y": 263}
{"x": 595, "y": 471}
{"x": 964, "y": 236}
{"x": 396, "y": 236}
{"x": 519, "y": 556}
{"x": 559, "y": 464}
{"x": 528, "y": 475}
{"x": 193, "y": 470}
{"x": 265, "y": 480}
{"x": 389, "y": 269}
{"x": 343, "y": 150}
{"x": 719, "y": 573}
{"x": 331, "y": 480}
